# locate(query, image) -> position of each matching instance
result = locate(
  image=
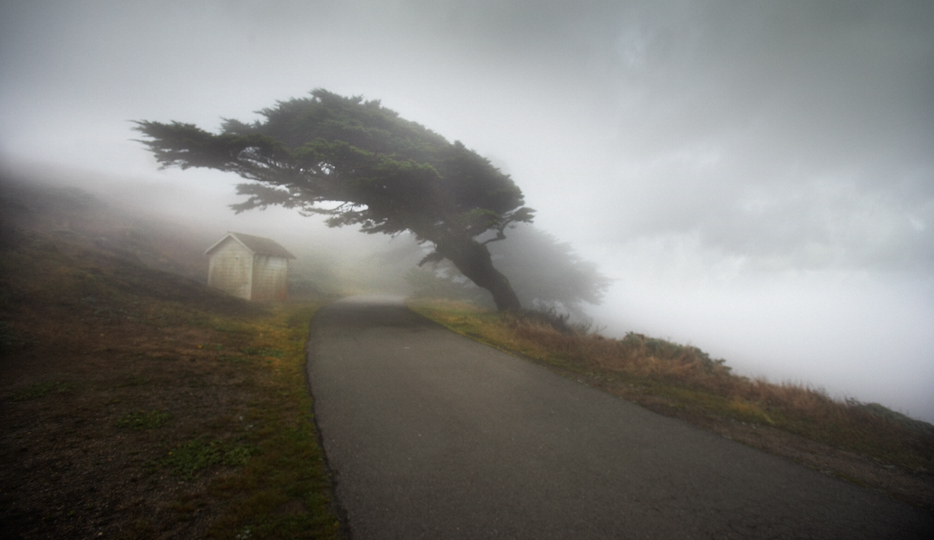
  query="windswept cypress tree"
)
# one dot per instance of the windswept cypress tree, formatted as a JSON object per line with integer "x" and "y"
{"x": 361, "y": 164}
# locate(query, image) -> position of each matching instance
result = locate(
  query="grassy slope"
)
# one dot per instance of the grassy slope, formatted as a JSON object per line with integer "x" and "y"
{"x": 683, "y": 381}
{"x": 139, "y": 404}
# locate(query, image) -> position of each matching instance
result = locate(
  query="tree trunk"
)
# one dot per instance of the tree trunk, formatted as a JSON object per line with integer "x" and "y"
{"x": 473, "y": 260}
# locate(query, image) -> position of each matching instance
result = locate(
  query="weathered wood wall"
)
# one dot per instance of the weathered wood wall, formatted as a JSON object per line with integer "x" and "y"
{"x": 231, "y": 269}
{"x": 270, "y": 278}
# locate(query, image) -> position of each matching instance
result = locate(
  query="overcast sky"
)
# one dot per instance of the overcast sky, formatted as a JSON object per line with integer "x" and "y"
{"x": 757, "y": 176}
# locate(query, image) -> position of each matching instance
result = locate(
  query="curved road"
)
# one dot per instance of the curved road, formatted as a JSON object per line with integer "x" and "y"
{"x": 432, "y": 435}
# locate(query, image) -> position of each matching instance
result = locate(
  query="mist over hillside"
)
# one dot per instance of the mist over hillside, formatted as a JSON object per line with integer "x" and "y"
{"x": 128, "y": 227}
{"x": 76, "y": 215}
{"x": 329, "y": 262}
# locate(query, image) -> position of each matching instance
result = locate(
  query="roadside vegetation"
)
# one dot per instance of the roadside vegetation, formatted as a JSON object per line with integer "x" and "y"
{"x": 140, "y": 404}
{"x": 864, "y": 443}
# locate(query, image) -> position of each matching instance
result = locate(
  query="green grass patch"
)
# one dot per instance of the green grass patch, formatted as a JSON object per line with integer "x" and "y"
{"x": 42, "y": 389}
{"x": 187, "y": 459}
{"x": 133, "y": 381}
{"x": 142, "y": 420}
{"x": 234, "y": 359}
{"x": 283, "y": 490}
{"x": 225, "y": 326}
{"x": 262, "y": 351}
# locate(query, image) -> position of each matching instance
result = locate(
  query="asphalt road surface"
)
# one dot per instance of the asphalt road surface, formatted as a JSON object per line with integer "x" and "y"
{"x": 432, "y": 435}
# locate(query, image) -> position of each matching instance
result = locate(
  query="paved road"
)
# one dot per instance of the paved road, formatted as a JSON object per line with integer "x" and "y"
{"x": 432, "y": 435}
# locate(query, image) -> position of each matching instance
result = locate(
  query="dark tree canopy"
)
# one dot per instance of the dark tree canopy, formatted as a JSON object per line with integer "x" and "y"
{"x": 361, "y": 164}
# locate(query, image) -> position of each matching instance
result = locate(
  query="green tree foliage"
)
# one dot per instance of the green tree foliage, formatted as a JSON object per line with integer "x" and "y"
{"x": 361, "y": 164}
{"x": 545, "y": 273}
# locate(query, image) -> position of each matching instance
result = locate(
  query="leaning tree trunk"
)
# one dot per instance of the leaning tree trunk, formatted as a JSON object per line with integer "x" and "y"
{"x": 473, "y": 260}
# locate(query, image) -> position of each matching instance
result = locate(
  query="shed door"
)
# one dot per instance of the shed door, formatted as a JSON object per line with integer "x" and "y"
{"x": 231, "y": 269}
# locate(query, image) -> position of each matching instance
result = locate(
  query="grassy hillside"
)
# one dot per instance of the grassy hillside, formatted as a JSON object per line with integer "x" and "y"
{"x": 137, "y": 403}
{"x": 864, "y": 443}
{"x": 75, "y": 217}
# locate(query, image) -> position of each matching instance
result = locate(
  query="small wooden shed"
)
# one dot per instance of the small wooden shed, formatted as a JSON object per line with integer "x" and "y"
{"x": 249, "y": 267}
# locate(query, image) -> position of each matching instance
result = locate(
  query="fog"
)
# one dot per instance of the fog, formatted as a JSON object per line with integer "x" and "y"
{"x": 757, "y": 177}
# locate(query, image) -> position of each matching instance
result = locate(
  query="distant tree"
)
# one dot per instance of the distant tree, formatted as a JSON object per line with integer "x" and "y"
{"x": 545, "y": 273}
{"x": 548, "y": 272}
{"x": 361, "y": 164}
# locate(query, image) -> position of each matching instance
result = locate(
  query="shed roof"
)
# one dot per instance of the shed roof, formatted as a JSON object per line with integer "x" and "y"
{"x": 256, "y": 244}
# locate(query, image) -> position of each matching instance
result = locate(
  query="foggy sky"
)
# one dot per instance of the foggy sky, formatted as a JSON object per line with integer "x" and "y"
{"x": 757, "y": 176}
